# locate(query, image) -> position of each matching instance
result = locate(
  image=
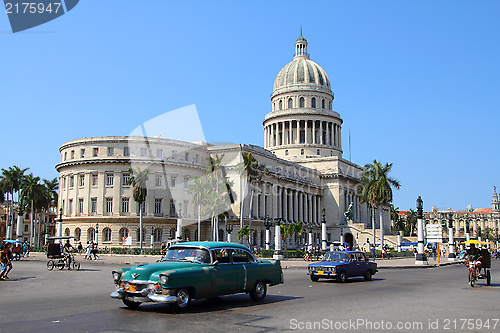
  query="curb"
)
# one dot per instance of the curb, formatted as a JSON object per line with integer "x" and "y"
{"x": 390, "y": 267}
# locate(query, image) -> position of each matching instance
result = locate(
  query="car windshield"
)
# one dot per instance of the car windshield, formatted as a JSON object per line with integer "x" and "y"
{"x": 187, "y": 254}
{"x": 335, "y": 256}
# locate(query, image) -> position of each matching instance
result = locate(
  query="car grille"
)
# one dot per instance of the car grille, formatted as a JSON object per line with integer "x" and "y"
{"x": 324, "y": 268}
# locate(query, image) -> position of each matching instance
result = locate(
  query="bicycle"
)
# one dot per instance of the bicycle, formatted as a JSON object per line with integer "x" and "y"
{"x": 473, "y": 272}
{"x": 67, "y": 261}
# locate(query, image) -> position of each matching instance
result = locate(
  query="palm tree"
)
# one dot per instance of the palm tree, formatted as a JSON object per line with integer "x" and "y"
{"x": 396, "y": 220}
{"x": 33, "y": 191}
{"x": 251, "y": 171}
{"x": 376, "y": 190}
{"x": 298, "y": 228}
{"x": 245, "y": 232}
{"x": 138, "y": 180}
{"x": 51, "y": 187}
{"x": 198, "y": 190}
{"x": 411, "y": 221}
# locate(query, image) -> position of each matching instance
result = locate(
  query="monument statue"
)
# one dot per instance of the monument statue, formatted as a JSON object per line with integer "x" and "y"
{"x": 349, "y": 215}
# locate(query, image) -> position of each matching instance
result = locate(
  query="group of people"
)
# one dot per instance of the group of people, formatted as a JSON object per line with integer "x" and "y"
{"x": 91, "y": 251}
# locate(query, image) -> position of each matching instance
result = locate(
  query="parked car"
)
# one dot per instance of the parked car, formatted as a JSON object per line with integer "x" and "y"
{"x": 342, "y": 265}
{"x": 196, "y": 270}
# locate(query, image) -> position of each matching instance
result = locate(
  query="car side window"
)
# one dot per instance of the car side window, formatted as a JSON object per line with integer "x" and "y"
{"x": 241, "y": 256}
{"x": 352, "y": 257}
{"x": 222, "y": 255}
{"x": 361, "y": 256}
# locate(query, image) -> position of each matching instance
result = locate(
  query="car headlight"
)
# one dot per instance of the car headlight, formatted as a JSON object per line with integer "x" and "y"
{"x": 116, "y": 276}
{"x": 163, "y": 279}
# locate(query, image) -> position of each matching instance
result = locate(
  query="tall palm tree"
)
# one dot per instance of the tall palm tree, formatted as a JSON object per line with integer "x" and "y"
{"x": 51, "y": 187}
{"x": 198, "y": 190}
{"x": 33, "y": 191}
{"x": 251, "y": 172}
{"x": 397, "y": 223}
{"x": 138, "y": 180}
{"x": 376, "y": 190}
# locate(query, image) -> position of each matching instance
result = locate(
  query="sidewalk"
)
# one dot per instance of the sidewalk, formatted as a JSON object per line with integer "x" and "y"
{"x": 132, "y": 260}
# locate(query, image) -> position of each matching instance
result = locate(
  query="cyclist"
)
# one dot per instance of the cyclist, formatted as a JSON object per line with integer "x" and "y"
{"x": 66, "y": 251}
{"x": 474, "y": 254}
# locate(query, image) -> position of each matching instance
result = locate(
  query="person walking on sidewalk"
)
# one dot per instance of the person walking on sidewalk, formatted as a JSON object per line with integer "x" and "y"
{"x": 88, "y": 254}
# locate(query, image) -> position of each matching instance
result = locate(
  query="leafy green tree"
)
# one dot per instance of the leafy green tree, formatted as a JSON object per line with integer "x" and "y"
{"x": 138, "y": 180}
{"x": 245, "y": 232}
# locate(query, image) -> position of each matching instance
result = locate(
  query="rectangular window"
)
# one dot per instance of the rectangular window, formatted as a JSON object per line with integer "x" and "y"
{"x": 186, "y": 156}
{"x": 94, "y": 180}
{"x": 144, "y": 151}
{"x": 70, "y": 206}
{"x": 64, "y": 182}
{"x": 159, "y": 153}
{"x": 80, "y": 206}
{"x": 197, "y": 157}
{"x": 126, "y": 179}
{"x": 174, "y": 152}
{"x": 157, "y": 206}
{"x": 72, "y": 154}
{"x": 125, "y": 205}
{"x": 71, "y": 181}
{"x": 126, "y": 151}
{"x": 185, "y": 208}
{"x": 172, "y": 208}
{"x": 96, "y": 152}
{"x": 172, "y": 181}
{"x": 109, "y": 179}
{"x": 93, "y": 205}
{"x": 109, "y": 205}
{"x": 186, "y": 181}
{"x": 82, "y": 180}
{"x": 65, "y": 155}
{"x": 82, "y": 153}
{"x": 111, "y": 151}
{"x": 158, "y": 180}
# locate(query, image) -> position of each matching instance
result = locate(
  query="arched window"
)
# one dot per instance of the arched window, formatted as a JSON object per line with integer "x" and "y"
{"x": 123, "y": 234}
{"x": 91, "y": 234}
{"x": 66, "y": 232}
{"x": 281, "y": 104}
{"x": 107, "y": 235}
{"x": 143, "y": 235}
{"x": 157, "y": 235}
{"x": 313, "y": 102}
{"x": 290, "y": 103}
{"x": 78, "y": 234}
{"x": 323, "y": 103}
{"x": 301, "y": 102}
{"x": 302, "y": 152}
{"x": 26, "y": 228}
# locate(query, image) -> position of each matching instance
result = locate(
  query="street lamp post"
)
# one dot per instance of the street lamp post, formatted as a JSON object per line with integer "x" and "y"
{"x": 323, "y": 230}
{"x": 96, "y": 234}
{"x": 421, "y": 258}
{"x": 267, "y": 223}
{"x": 467, "y": 234}
{"x": 152, "y": 236}
{"x": 278, "y": 254}
{"x": 59, "y": 224}
{"x": 229, "y": 229}
{"x": 451, "y": 255}
{"x": 478, "y": 232}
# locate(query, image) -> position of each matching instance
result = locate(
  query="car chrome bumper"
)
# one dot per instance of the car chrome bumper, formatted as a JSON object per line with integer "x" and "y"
{"x": 142, "y": 296}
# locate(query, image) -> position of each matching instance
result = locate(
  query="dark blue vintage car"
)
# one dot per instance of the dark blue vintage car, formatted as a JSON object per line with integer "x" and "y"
{"x": 342, "y": 265}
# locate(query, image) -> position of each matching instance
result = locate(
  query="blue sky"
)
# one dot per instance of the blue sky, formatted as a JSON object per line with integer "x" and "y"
{"x": 416, "y": 82}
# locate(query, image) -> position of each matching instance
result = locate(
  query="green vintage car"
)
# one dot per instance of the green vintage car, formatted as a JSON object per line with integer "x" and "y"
{"x": 196, "y": 270}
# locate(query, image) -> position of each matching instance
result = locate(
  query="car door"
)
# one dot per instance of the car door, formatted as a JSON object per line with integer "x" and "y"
{"x": 246, "y": 269}
{"x": 362, "y": 263}
{"x": 353, "y": 265}
{"x": 224, "y": 273}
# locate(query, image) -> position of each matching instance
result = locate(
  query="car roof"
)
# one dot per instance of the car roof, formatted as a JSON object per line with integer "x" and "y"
{"x": 211, "y": 245}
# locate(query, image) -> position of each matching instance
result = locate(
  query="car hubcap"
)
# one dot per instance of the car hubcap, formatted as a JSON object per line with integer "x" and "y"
{"x": 259, "y": 289}
{"x": 182, "y": 298}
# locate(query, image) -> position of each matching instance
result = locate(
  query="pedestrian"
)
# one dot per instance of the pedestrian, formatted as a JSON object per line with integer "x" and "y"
{"x": 434, "y": 253}
{"x": 5, "y": 261}
{"x": 80, "y": 247}
{"x": 88, "y": 254}
{"x": 94, "y": 250}
{"x": 163, "y": 249}
{"x": 28, "y": 248}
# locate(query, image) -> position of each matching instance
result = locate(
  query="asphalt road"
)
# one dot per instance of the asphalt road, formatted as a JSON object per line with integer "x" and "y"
{"x": 398, "y": 300}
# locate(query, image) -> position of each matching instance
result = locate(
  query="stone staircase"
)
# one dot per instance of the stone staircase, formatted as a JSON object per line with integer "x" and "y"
{"x": 390, "y": 238}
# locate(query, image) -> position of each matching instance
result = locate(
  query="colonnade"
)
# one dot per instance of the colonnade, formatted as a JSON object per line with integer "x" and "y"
{"x": 298, "y": 131}
{"x": 289, "y": 204}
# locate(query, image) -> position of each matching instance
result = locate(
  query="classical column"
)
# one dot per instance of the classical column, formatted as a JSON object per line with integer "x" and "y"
{"x": 305, "y": 132}
{"x": 296, "y": 206}
{"x": 313, "y": 199}
{"x": 340, "y": 135}
{"x": 277, "y": 241}
{"x": 290, "y": 133}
